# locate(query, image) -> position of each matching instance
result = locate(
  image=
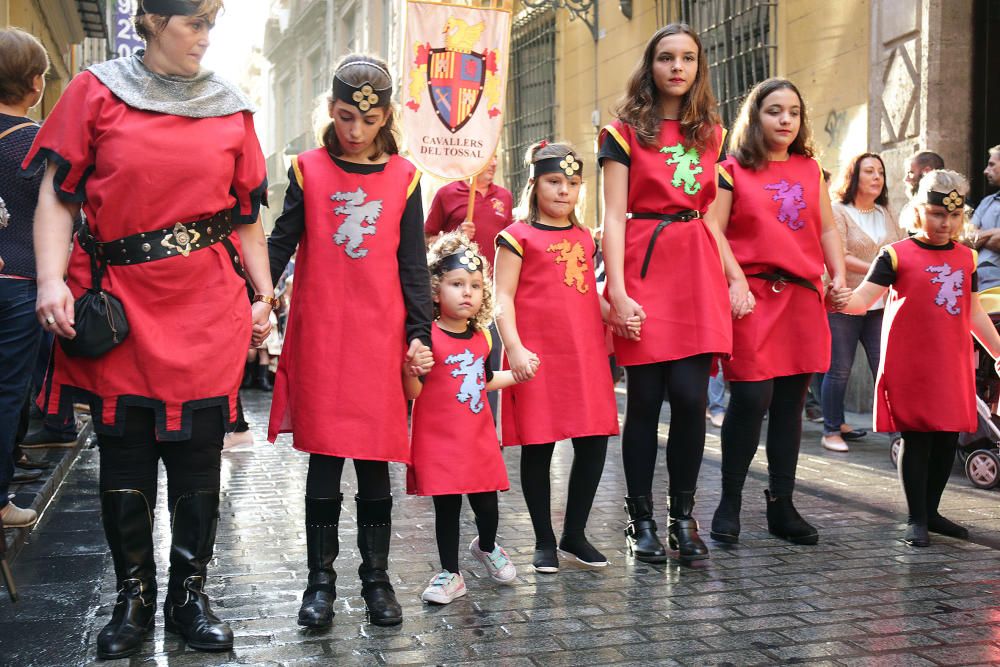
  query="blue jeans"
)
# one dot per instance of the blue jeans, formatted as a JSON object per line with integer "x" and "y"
{"x": 19, "y": 337}
{"x": 845, "y": 332}
{"x": 716, "y": 392}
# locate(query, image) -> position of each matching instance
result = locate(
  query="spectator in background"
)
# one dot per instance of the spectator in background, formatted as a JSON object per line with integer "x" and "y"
{"x": 861, "y": 214}
{"x": 917, "y": 166}
{"x": 491, "y": 214}
{"x": 987, "y": 221}
{"x": 23, "y": 63}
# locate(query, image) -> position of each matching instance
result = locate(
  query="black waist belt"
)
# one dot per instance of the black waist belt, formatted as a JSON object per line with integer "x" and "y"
{"x": 178, "y": 239}
{"x": 665, "y": 219}
{"x": 781, "y": 278}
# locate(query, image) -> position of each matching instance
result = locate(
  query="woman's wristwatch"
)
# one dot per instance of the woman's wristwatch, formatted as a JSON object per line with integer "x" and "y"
{"x": 269, "y": 300}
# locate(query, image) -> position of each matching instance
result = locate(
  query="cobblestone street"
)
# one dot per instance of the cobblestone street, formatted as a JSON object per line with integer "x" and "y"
{"x": 860, "y": 597}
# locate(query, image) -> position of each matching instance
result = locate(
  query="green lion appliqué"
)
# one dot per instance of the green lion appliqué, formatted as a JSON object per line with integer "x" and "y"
{"x": 687, "y": 161}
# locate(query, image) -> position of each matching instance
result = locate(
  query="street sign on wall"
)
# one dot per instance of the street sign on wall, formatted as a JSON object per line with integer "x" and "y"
{"x": 127, "y": 41}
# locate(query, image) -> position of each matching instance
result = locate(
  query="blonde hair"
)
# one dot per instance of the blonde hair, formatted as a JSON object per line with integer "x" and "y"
{"x": 938, "y": 180}
{"x": 449, "y": 244}
{"x": 148, "y": 26}
{"x": 527, "y": 207}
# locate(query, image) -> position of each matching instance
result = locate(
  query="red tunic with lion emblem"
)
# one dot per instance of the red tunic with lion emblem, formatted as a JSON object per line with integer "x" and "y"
{"x": 559, "y": 319}
{"x": 926, "y": 380}
{"x": 684, "y": 292}
{"x": 454, "y": 442}
{"x": 775, "y": 224}
{"x": 339, "y": 388}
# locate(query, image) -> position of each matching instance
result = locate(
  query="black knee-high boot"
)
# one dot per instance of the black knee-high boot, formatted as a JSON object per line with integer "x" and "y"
{"x": 374, "y": 531}
{"x": 128, "y": 525}
{"x": 322, "y": 548}
{"x": 187, "y": 610}
{"x": 682, "y": 531}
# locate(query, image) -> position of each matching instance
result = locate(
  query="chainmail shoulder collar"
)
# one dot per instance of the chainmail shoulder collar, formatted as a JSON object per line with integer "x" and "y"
{"x": 202, "y": 96}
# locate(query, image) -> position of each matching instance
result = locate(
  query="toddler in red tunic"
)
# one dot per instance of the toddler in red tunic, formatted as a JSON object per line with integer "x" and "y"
{"x": 926, "y": 386}
{"x": 454, "y": 447}
{"x": 548, "y": 304}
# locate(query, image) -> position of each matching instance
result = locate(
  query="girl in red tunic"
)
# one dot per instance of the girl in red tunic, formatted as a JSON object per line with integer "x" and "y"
{"x": 663, "y": 266}
{"x": 361, "y": 299}
{"x": 926, "y": 384}
{"x": 775, "y": 211}
{"x": 548, "y": 306}
{"x": 454, "y": 442}
{"x": 164, "y": 160}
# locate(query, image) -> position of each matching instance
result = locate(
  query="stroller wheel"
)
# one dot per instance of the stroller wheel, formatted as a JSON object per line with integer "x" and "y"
{"x": 894, "y": 448}
{"x": 983, "y": 468}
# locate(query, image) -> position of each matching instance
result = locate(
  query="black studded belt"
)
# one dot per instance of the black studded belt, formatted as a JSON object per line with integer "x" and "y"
{"x": 664, "y": 220}
{"x": 178, "y": 239}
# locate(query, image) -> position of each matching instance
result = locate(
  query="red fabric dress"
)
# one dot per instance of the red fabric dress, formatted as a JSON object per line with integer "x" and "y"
{"x": 926, "y": 380}
{"x": 189, "y": 317}
{"x": 454, "y": 442}
{"x": 559, "y": 319}
{"x": 775, "y": 224}
{"x": 684, "y": 294}
{"x": 339, "y": 386}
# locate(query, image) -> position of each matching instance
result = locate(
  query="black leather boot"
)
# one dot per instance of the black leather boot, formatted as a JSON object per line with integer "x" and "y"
{"x": 374, "y": 531}
{"x": 682, "y": 530}
{"x": 726, "y": 520}
{"x": 322, "y": 548}
{"x": 263, "y": 381}
{"x": 128, "y": 525}
{"x": 187, "y": 610}
{"x": 640, "y": 533}
{"x": 784, "y": 521}
{"x": 248, "y": 377}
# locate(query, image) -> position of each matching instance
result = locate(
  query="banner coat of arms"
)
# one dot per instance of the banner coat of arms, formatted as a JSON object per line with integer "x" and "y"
{"x": 455, "y": 76}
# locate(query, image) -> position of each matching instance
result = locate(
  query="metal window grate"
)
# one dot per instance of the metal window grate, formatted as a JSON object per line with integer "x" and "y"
{"x": 739, "y": 42}
{"x": 531, "y": 90}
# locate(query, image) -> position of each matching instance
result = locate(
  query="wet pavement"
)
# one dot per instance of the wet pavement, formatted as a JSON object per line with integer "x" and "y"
{"x": 859, "y": 597}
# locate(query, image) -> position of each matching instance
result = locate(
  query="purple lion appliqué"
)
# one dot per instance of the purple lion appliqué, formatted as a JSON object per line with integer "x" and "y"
{"x": 790, "y": 196}
{"x": 951, "y": 287}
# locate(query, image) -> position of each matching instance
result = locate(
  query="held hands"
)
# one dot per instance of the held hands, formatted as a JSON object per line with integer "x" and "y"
{"x": 54, "y": 308}
{"x": 419, "y": 359}
{"x": 626, "y": 318}
{"x": 741, "y": 299}
{"x": 837, "y": 295}
{"x": 468, "y": 228}
{"x": 523, "y": 363}
{"x": 260, "y": 312}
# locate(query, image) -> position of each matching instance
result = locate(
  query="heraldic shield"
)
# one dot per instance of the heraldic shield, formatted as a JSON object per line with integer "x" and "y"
{"x": 456, "y": 82}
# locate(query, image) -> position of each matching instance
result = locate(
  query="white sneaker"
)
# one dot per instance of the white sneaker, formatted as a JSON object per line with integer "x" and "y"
{"x": 834, "y": 443}
{"x": 497, "y": 562}
{"x": 444, "y": 587}
{"x": 717, "y": 419}
{"x": 16, "y": 517}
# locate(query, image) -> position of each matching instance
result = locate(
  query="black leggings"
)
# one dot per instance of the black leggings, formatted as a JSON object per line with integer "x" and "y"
{"x": 130, "y": 461}
{"x": 448, "y": 511}
{"x": 584, "y": 477}
{"x": 782, "y": 398}
{"x": 323, "y": 478}
{"x": 925, "y": 463}
{"x": 684, "y": 382}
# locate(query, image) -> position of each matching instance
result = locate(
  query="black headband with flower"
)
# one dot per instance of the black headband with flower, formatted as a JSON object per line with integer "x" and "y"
{"x": 167, "y": 7}
{"x": 950, "y": 200}
{"x": 463, "y": 258}
{"x": 568, "y": 165}
{"x": 366, "y": 96}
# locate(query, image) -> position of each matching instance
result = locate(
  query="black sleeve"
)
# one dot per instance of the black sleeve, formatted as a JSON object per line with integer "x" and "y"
{"x": 881, "y": 271}
{"x": 488, "y": 366}
{"x": 501, "y": 241}
{"x": 288, "y": 229}
{"x": 413, "y": 274}
{"x": 975, "y": 281}
{"x": 612, "y": 150}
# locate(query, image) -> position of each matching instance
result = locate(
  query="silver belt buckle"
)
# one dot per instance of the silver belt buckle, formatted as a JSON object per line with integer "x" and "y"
{"x": 778, "y": 286}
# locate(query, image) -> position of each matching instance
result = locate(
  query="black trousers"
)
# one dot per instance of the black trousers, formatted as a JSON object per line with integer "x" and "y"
{"x": 925, "y": 463}
{"x": 447, "y": 515}
{"x": 323, "y": 478}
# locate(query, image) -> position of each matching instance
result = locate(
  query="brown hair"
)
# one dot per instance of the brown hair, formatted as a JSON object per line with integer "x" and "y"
{"x": 385, "y": 140}
{"x": 449, "y": 244}
{"x": 22, "y": 58}
{"x": 148, "y": 26}
{"x": 639, "y": 106}
{"x": 928, "y": 159}
{"x": 747, "y": 137}
{"x": 527, "y": 207}
{"x": 848, "y": 188}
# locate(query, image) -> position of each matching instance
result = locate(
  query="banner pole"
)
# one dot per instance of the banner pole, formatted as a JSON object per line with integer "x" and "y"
{"x": 472, "y": 198}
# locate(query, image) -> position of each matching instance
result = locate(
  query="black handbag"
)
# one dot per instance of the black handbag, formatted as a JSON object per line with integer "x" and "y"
{"x": 100, "y": 321}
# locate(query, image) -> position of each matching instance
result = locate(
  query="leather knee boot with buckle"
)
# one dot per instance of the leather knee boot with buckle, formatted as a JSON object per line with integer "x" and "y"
{"x": 374, "y": 531}
{"x": 322, "y": 548}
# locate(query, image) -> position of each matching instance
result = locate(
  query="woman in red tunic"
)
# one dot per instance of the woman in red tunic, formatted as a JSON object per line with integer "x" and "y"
{"x": 353, "y": 209}
{"x": 164, "y": 159}
{"x": 663, "y": 266}
{"x": 548, "y": 307}
{"x": 926, "y": 384}
{"x": 775, "y": 210}
{"x": 454, "y": 441}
